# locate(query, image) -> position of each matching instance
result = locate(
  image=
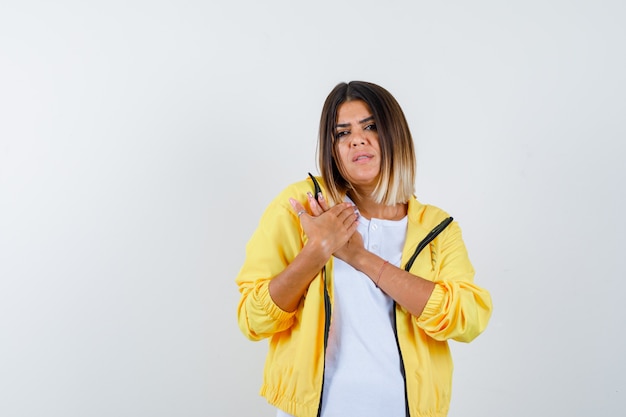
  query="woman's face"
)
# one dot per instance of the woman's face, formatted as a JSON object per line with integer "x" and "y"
{"x": 356, "y": 139}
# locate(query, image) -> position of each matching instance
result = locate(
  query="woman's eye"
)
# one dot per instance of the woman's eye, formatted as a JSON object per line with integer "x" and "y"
{"x": 371, "y": 126}
{"x": 341, "y": 134}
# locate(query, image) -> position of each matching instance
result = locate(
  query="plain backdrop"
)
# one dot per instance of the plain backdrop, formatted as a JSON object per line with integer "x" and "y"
{"x": 140, "y": 142}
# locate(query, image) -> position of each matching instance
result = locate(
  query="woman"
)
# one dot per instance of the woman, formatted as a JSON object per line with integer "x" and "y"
{"x": 357, "y": 285}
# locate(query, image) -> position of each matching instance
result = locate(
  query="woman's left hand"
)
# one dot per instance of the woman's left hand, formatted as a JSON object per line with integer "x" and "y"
{"x": 353, "y": 246}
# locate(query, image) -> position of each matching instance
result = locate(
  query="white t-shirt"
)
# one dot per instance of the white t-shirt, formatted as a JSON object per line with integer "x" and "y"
{"x": 362, "y": 370}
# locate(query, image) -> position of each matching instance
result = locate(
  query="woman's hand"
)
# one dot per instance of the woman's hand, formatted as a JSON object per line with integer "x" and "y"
{"x": 328, "y": 228}
{"x": 319, "y": 206}
{"x": 351, "y": 249}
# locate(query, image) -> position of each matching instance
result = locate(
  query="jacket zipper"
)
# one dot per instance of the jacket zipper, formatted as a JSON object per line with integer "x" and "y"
{"x": 327, "y": 314}
{"x": 429, "y": 238}
{"x": 327, "y": 308}
{"x": 402, "y": 370}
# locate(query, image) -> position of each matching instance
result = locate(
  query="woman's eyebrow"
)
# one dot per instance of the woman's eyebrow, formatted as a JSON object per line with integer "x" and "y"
{"x": 367, "y": 119}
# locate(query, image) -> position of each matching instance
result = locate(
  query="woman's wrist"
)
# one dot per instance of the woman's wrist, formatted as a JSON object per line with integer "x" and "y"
{"x": 362, "y": 258}
{"x": 316, "y": 253}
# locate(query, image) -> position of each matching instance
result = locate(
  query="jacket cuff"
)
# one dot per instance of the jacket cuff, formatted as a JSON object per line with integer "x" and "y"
{"x": 433, "y": 306}
{"x": 273, "y": 310}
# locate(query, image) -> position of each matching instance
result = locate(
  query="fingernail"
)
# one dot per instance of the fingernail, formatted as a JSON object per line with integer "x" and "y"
{"x": 292, "y": 202}
{"x": 320, "y": 196}
{"x": 309, "y": 194}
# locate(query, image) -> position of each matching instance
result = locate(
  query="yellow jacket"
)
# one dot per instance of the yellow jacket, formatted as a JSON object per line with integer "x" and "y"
{"x": 294, "y": 369}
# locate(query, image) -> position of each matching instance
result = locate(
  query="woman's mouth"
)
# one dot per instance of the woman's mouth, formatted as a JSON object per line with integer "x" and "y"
{"x": 362, "y": 157}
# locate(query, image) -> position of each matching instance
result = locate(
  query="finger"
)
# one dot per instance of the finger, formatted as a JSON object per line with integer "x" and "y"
{"x": 350, "y": 219}
{"x": 316, "y": 209}
{"x": 340, "y": 208}
{"x": 322, "y": 202}
{"x": 297, "y": 207}
{"x": 348, "y": 212}
{"x": 352, "y": 228}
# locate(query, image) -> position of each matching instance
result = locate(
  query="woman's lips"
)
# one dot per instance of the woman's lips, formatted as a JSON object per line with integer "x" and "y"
{"x": 362, "y": 157}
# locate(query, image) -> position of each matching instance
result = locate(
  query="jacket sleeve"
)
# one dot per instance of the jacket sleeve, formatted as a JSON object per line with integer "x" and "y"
{"x": 274, "y": 244}
{"x": 457, "y": 309}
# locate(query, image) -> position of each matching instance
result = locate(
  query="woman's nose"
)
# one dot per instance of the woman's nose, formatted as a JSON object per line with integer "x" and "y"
{"x": 358, "y": 138}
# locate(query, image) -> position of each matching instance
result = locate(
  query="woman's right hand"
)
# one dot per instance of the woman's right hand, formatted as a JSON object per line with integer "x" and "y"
{"x": 327, "y": 229}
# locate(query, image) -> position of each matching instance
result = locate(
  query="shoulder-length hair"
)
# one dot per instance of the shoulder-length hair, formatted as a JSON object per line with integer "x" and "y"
{"x": 396, "y": 181}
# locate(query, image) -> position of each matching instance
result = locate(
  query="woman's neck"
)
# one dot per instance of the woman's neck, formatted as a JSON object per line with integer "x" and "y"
{"x": 371, "y": 209}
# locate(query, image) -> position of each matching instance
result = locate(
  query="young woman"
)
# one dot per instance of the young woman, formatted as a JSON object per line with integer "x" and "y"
{"x": 357, "y": 285}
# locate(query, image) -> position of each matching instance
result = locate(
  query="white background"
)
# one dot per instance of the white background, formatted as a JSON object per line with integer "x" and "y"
{"x": 140, "y": 142}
